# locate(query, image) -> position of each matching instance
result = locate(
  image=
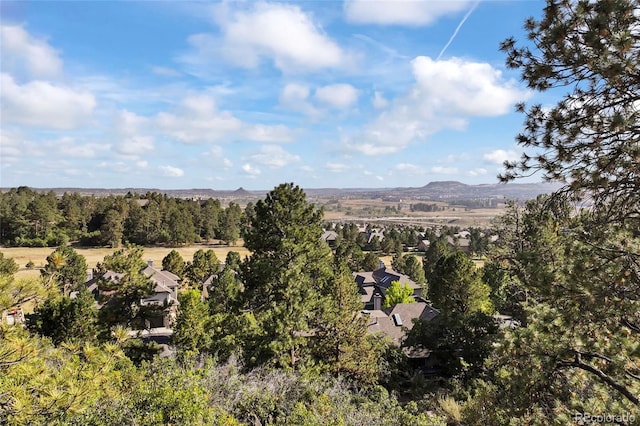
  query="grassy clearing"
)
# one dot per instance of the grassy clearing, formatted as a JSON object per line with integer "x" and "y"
{"x": 38, "y": 255}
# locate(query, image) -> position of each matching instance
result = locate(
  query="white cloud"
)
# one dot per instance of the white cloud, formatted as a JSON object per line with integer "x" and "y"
{"x": 379, "y": 102}
{"x": 135, "y": 146}
{"x": 499, "y": 156}
{"x": 337, "y": 95}
{"x": 463, "y": 87}
{"x": 267, "y": 133}
{"x": 444, "y": 96}
{"x": 400, "y": 12}
{"x": 132, "y": 131}
{"x": 444, "y": 170}
{"x": 165, "y": 71}
{"x": 251, "y": 170}
{"x": 478, "y": 171}
{"x": 198, "y": 121}
{"x": 142, "y": 164}
{"x": 23, "y": 53}
{"x": 283, "y": 33}
{"x": 295, "y": 96}
{"x": 410, "y": 168}
{"x": 337, "y": 167}
{"x": 274, "y": 156}
{"x": 42, "y": 104}
{"x": 68, "y": 147}
{"x": 171, "y": 171}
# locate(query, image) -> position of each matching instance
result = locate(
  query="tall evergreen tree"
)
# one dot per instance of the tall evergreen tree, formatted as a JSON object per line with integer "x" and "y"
{"x": 203, "y": 265}
{"x": 67, "y": 268}
{"x": 191, "y": 335}
{"x": 173, "y": 262}
{"x": 456, "y": 286}
{"x": 287, "y": 276}
{"x": 580, "y": 268}
{"x": 341, "y": 343}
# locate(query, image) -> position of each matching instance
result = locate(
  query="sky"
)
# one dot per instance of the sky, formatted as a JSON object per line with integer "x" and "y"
{"x": 177, "y": 95}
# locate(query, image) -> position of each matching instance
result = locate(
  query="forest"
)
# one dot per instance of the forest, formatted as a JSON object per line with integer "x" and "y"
{"x": 34, "y": 219}
{"x": 281, "y": 338}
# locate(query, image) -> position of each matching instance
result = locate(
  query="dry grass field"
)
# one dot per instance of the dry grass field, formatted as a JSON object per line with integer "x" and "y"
{"x": 373, "y": 210}
{"x": 38, "y": 255}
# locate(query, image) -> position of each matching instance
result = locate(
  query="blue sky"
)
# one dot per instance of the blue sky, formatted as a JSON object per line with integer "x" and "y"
{"x": 222, "y": 95}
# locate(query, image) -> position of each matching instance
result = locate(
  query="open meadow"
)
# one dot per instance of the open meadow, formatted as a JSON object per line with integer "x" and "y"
{"x": 38, "y": 255}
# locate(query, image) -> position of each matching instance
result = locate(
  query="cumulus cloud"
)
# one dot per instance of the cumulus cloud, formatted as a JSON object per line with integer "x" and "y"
{"x": 251, "y": 170}
{"x": 198, "y": 120}
{"x": 444, "y": 170}
{"x": 274, "y": 156}
{"x": 478, "y": 171}
{"x": 410, "y": 168}
{"x": 464, "y": 87}
{"x": 499, "y": 156}
{"x": 68, "y": 147}
{"x": 337, "y": 95}
{"x": 337, "y": 167}
{"x": 379, "y": 102}
{"x": 170, "y": 171}
{"x": 281, "y": 33}
{"x": 132, "y": 133}
{"x": 42, "y": 104}
{"x": 23, "y": 53}
{"x": 444, "y": 96}
{"x": 295, "y": 96}
{"x": 400, "y": 12}
{"x": 267, "y": 133}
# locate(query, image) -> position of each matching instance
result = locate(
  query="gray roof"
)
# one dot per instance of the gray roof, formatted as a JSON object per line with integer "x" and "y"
{"x": 329, "y": 236}
{"x": 163, "y": 277}
{"x": 384, "y": 277}
{"x": 399, "y": 319}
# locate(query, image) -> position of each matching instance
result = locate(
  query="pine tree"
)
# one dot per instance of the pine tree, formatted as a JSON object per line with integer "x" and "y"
{"x": 341, "y": 341}
{"x": 191, "y": 333}
{"x": 67, "y": 268}
{"x": 579, "y": 265}
{"x": 287, "y": 276}
{"x": 456, "y": 286}
{"x": 173, "y": 262}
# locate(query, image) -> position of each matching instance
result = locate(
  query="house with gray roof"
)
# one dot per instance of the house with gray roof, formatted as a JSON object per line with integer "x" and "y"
{"x": 396, "y": 321}
{"x": 377, "y": 282}
{"x": 165, "y": 292}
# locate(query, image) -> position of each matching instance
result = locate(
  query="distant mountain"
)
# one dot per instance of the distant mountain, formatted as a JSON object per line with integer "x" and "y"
{"x": 435, "y": 191}
{"x": 445, "y": 184}
{"x": 241, "y": 192}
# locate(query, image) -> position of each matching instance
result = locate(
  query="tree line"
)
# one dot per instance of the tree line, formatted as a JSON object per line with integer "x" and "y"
{"x": 40, "y": 219}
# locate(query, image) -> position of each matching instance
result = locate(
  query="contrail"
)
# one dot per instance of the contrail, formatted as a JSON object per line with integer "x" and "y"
{"x": 455, "y": 33}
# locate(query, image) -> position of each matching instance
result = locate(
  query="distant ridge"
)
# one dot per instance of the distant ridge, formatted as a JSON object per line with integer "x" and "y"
{"x": 438, "y": 190}
{"x": 445, "y": 183}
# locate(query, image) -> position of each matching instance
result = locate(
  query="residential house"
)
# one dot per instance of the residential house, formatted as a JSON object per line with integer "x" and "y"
{"x": 377, "y": 282}
{"x": 396, "y": 321}
{"x": 423, "y": 245}
{"x": 462, "y": 244}
{"x": 165, "y": 293}
{"x": 330, "y": 237}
